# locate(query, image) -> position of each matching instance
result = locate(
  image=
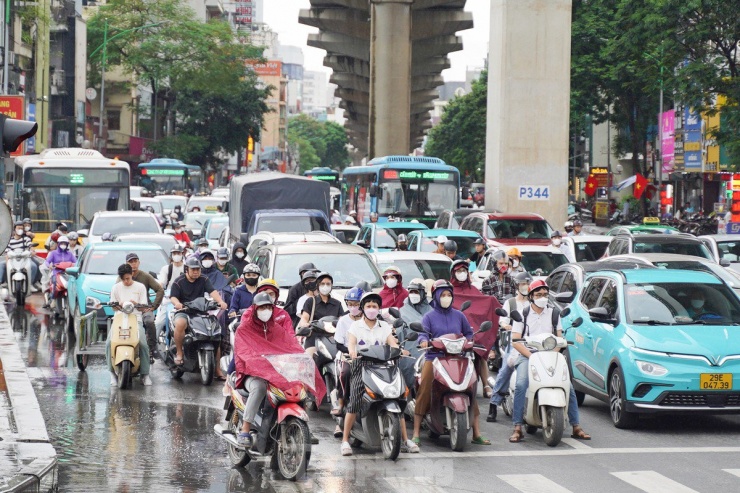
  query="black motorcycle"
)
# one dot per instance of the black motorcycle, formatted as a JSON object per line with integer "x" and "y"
{"x": 326, "y": 349}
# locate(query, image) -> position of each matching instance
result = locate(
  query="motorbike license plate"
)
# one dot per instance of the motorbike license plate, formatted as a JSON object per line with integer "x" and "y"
{"x": 715, "y": 381}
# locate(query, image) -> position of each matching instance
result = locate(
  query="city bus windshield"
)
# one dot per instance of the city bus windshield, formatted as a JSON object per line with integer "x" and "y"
{"x": 74, "y": 205}
{"x": 417, "y": 193}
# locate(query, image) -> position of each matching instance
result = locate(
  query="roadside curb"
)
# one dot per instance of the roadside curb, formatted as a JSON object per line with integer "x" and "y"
{"x": 25, "y": 439}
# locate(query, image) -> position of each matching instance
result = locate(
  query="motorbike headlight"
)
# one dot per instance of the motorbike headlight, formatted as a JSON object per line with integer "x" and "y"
{"x": 392, "y": 391}
{"x": 92, "y": 302}
{"x": 453, "y": 346}
{"x": 652, "y": 369}
{"x": 549, "y": 344}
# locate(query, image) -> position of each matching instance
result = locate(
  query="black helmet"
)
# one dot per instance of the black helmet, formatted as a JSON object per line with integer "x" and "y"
{"x": 309, "y": 274}
{"x": 192, "y": 263}
{"x": 261, "y": 299}
{"x": 365, "y": 286}
{"x": 323, "y": 275}
{"x": 456, "y": 264}
{"x": 18, "y": 223}
{"x": 203, "y": 241}
{"x": 417, "y": 286}
{"x": 176, "y": 248}
{"x": 556, "y": 234}
{"x": 175, "y": 224}
{"x": 450, "y": 246}
{"x": 371, "y": 297}
{"x": 307, "y": 266}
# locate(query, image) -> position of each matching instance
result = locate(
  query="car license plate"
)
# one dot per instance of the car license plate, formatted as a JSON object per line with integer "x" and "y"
{"x": 715, "y": 381}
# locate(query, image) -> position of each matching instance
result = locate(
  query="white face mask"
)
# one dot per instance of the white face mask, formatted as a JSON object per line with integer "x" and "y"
{"x": 524, "y": 290}
{"x": 264, "y": 315}
{"x": 461, "y": 275}
{"x": 178, "y": 231}
{"x": 239, "y": 254}
{"x": 324, "y": 289}
{"x": 207, "y": 264}
{"x": 414, "y": 298}
{"x": 391, "y": 283}
{"x": 63, "y": 246}
{"x": 19, "y": 231}
{"x": 541, "y": 302}
{"x": 27, "y": 228}
{"x": 177, "y": 258}
{"x": 222, "y": 261}
{"x": 556, "y": 241}
{"x": 515, "y": 263}
{"x": 446, "y": 301}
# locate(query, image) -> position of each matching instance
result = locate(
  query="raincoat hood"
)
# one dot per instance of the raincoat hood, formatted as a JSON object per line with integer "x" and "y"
{"x": 396, "y": 296}
{"x": 435, "y": 300}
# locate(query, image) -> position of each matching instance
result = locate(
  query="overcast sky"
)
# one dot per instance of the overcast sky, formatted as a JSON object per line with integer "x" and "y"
{"x": 282, "y": 16}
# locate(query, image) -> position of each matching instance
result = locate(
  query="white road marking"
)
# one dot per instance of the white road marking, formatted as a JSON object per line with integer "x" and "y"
{"x": 577, "y": 444}
{"x": 532, "y": 483}
{"x": 652, "y": 482}
{"x": 735, "y": 472}
{"x": 415, "y": 484}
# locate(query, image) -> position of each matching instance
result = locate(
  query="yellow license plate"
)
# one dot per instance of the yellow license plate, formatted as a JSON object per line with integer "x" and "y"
{"x": 715, "y": 381}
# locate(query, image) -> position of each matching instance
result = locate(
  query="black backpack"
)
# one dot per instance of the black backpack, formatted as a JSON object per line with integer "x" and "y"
{"x": 555, "y": 317}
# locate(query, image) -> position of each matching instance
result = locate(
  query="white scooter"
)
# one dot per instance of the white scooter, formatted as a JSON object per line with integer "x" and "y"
{"x": 546, "y": 402}
{"x": 18, "y": 272}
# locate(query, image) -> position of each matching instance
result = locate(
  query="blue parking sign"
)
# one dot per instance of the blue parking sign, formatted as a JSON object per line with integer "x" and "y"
{"x": 733, "y": 228}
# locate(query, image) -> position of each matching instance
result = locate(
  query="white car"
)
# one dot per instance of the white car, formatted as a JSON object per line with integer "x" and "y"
{"x": 207, "y": 203}
{"x": 724, "y": 248}
{"x": 414, "y": 265}
{"x": 220, "y": 192}
{"x": 120, "y": 222}
{"x": 538, "y": 260}
{"x": 169, "y": 202}
{"x": 589, "y": 247}
{"x": 264, "y": 238}
{"x": 345, "y": 232}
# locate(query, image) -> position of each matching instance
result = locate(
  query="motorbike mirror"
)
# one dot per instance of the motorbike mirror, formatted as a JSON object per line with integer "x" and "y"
{"x": 303, "y": 331}
{"x": 485, "y": 326}
{"x": 232, "y": 278}
{"x": 394, "y": 312}
{"x": 501, "y": 312}
{"x": 412, "y": 336}
{"x": 565, "y": 312}
{"x": 516, "y": 316}
{"x": 577, "y": 322}
{"x": 398, "y": 323}
{"x": 416, "y": 327}
{"x": 564, "y": 297}
{"x": 34, "y": 245}
{"x": 465, "y": 306}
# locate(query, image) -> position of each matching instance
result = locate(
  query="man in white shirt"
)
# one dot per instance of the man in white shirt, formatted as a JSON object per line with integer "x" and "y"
{"x": 135, "y": 292}
{"x": 538, "y": 318}
{"x": 556, "y": 240}
{"x": 166, "y": 277}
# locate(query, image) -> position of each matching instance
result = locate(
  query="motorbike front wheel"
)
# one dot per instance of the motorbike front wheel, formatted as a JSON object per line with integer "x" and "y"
{"x": 124, "y": 376}
{"x": 390, "y": 435}
{"x": 20, "y": 295}
{"x": 209, "y": 366}
{"x": 293, "y": 457}
{"x": 553, "y": 426}
{"x": 458, "y": 432}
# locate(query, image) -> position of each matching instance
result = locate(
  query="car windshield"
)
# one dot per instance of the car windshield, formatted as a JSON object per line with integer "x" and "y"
{"x": 542, "y": 263}
{"x": 214, "y": 229}
{"x": 425, "y": 269}
{"x": 696, "y": 249}
{"x": 285, "y": 224}
{"x": 196, "y": 220}
{"x": 519, "y": 228}
{"x": 729, "y": 250}
{"x": 465, "y": 245}
{"x": 590, "y": 251}
{"x": 124, "y": 224}
{"x": 106, "y": 262}
{"x": 346, "y": 235}
{"x": 347, "y": 269}
{"x": 681, "y": 304}
{"x": 165, "y": 241}
{"x": 169, "y": 203}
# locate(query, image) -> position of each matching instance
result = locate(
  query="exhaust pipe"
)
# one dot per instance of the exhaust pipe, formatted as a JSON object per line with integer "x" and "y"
{"x": 228, "y": 436}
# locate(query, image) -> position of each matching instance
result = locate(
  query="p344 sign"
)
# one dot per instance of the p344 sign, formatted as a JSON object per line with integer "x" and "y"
{"x": 541, "y": 192}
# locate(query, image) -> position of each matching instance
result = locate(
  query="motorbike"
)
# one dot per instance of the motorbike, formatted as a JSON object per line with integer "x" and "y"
{"x": 202, "y": 339}
{"x": 454, "y": 386}
{"x": 383, "y": 401}
{"x": 19, "y": 280}
{"x": 326, "y": 350}
{"x": 57, "y": 296}
{"x": 281, "y": 430}
{"x": 124, "y": 342}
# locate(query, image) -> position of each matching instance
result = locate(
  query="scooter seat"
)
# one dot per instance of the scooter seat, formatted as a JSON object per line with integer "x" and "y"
{"x": 232, "y": 384}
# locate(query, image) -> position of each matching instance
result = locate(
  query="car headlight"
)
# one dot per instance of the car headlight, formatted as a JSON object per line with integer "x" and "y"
{"x": 549, "y": 344}
{"x": 92, "y": 302}
{"x": 652, "y": 369}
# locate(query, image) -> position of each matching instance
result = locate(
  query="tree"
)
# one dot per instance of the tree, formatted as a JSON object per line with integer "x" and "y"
{"x": 460, "y": 138}
{"x": 327, "y": 141}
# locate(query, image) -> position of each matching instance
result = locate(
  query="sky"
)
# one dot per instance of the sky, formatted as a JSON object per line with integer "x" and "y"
{"x": 282, "y": 17}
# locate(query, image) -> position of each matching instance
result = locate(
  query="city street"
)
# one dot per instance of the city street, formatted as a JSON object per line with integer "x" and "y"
{"x": 161, "y": 439}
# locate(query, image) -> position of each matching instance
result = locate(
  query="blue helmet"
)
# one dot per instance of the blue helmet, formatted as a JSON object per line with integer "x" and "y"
{"x": 354, "y": 294}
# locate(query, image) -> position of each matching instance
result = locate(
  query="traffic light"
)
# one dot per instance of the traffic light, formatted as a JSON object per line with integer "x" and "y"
{"x": 14, "y": 132}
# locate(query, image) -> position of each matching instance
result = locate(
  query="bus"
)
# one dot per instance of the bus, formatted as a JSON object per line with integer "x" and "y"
{"x": 167, "y": 176}
{"x": 324, "y": 174}
{"x": 68, "y": 185}
{"x": 404, "y": 187}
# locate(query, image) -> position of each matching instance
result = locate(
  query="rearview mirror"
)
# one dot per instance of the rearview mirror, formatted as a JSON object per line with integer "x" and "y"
{"x": 412, "y": 336}
{"x": 516, "y": 316}
{"x": 394, "y": 312}
{"x": 485, "y": 326}
{"x": 577, "y": 322}
{"x": 398, "y": 323}
{"x": 600, "y": 314}
{"x": 363, "y": 244}
{"x": 724, "y": 262}
{"x": 564, "y": 297}
{"x": 303, "y": 331}
{"x": 565, "y": 312}
{"x": 465, "y": 306}
{"x": 501, "y": 312}
{"x": 416, "y": 327}
{"x": 73, "y": 271}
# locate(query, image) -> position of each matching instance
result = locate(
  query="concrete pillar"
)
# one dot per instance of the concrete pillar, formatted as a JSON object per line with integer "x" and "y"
{"x": 528, "y": 107}
{"x": 390, "y": 77}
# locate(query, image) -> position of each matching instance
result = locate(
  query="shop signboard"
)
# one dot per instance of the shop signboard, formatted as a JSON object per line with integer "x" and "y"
{"x": 668, "y": 125}
{"x": 692, "y": 140}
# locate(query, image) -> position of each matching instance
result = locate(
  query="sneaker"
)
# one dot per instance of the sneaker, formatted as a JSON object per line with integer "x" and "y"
{"x": 34, "y": 289}
{"x": 244, "y": 439}
{"x": 346, "y": 449}
{"x": 113, "y": 379}
{"x": 409, "y": 447}
{"x": 146, "y": 381}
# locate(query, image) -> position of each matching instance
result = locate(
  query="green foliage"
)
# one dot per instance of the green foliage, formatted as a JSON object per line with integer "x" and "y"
{"x": 460, "y": 138}
{"x": 317, "y": 143}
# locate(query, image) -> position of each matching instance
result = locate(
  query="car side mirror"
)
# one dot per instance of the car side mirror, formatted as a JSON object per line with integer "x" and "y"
{"x": 73, "y": 271}
{"x": 564, "y": 297}
{"x": 724, "y": 262}
{"x": 394, "y": 312}
{"x": 363, "y": 244}
{"x": 485, "y": 326}
{"x": 516, "y": 316}
{"x": 416, "y": 327}
{"x": 501, "y": 312}
{"x": 577, "y": 322}
{"x": 600, "y": 314}
{"x": 465, "y": 306}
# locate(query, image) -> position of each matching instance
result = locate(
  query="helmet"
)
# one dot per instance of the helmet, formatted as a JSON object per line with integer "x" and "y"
{"x": 522, "y": 277}
{"x": 354, "y": 294}
{"x": 322, "y": 275}
{"x": 456, "y": 264}
{"x": 415, "y": 285}
{"x": 175, "y": 224}
{"x": 268, "y": 284}
{"x": 62, "y": 227}
{"x": 262, "y": 299}
{"x": 568, "y": 224}
{"x": 577, "y": 222}
{"x": 514, "y": 252}
{"x": 223, "y": 252}
{"x": 309, "y": 274}
{"x": 307, "y": 266}
{"x": 73, "y": 235}
{"x": 441, "y": 239}
{"x": 27, "y": 220}
{"x": 63, "y": 239}
{"x": 202, "y": 241}
{"x": 500, "y": 255}
{"x": 402, "y": 238}
{"x": 479, "y": 241}
{"x": 107, "y": 237}
{"x": 192, "y": 262}
{"x": 207, "y": 252}
{"x": 556, "y": 234}
{"x": 450, "y": 246}
{"x": 441, "y": 284}
{"x": 392, "y": 269}
{"x": 251, "y": 269}
{"x": 537, "y": 285}
{"x": 18, "y": 223}
{"x": 364, "y": 285}
{"x": 370, "y": 297}
{"x": 176, "y": 248}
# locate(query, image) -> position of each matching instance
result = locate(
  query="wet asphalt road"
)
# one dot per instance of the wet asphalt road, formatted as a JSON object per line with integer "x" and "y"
{"x": 160, "y": 438}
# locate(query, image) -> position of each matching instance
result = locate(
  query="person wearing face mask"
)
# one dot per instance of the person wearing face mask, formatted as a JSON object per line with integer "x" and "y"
{"x": 369, "y": 330}
{"x": 501, "y": 385}
{"x": 222, "y": 264}
{"x": 698, "y": 308}
{"x": 61, "y": 254}
{"x": 500, "y": 283}
{"x": 260, "y": 334}
{"x": 244, "y": 293}
{"x": 238, "y": 256}
{"x": 393, "y": 293}
{"x": 515, "y": 261}
{"x": 352, "y": 299}
{"x": 442, "y": 320}
{"x": 150, "y": 283}
{"x": 202, "y": 246}
{"x": 18, "y": 241}
{"x": 296, "y": 291}
{"x": 441, "y": 240}
{"x": 310, "y": 288}
{"x": 480, "y": 251}
{"x": 74, "y": 244}
{"x": 537, "y": 318}
{"x": 320, "y": 306}
{"x": 181, "y": 236}
{"x": 402, "y": 243}
{"x": 556, "y": 240}
{"x": 28, "y": 228}
{"x": 166, "y": 277}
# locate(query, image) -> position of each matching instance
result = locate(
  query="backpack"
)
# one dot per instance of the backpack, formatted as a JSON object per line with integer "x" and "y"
{"x": 555, "y": 316}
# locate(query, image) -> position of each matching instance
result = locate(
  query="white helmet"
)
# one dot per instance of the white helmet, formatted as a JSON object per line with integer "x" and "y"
{"x": 63, "y": 239}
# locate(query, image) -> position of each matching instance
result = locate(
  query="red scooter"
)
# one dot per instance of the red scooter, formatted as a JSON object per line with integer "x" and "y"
{"x": 58, "y": 295}
{"x": 454, "y": 387}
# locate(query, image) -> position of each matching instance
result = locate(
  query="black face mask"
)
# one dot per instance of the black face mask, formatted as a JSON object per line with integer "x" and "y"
{"x": 310, "y": 286}
{"x": 403, "y": 247}
{"x": 251, "y": 281}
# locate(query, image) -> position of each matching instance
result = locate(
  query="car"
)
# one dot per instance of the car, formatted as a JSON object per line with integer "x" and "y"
{"x": 194, "y": 222}
{"x": 425, "y": 240}
{"x": 169, "y": 202}
{"x": 153, "y": 202}
{"x": 500, "y": 229}
{"x": 91, "y": 280}
{"x": 682, "y": 244}
{"x": 348, "y": 265}
{"x": 212, "y": 229}
{"x": 588, "y": 247}
{"x": 538, "y": 260}
{"x": 655, "y": 341}
{"x": 724, "y": 247}
{"x": 414, "y": 265}
{"x": 381, "y": 237}
{"x": 259, "y": 240}
{"x": 466, "y": 197}
{"x": 136, "y": 192}
{"x": 451, "y": 219}
{"x": 642, "y": 229}
{"x": 120, "y": 222}
{"x": 345, "y": 232}
{"x": 220, "y": 192}
{"x": 224, "y": 240}
{"x": 208, "y": 203}
{"x": 164, "y": 240}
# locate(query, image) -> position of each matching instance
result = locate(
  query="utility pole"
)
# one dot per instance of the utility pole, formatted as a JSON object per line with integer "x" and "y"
{"x": 6, "y": 36}
{"x": 102, "y": 86}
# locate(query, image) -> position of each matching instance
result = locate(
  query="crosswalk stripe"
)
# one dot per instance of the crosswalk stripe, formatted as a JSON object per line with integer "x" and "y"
{"x": 416, "y": 484}
{"x": 652, "y": 482}
{"x": 532, "y": 483}
{"x": 735, "y": 472}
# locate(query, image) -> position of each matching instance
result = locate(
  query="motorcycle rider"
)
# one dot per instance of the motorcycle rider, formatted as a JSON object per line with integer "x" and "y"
{"x": 537, "y": 319}
{"x": 450, "y": 247}
{"x": 53, "y": 239}
{"x": 501, "y": 386}
{"x": 577, "y": 228}
{"x": 74, "y": 244}
{"x": 238, "y": 254}
{"x": 515, "y": 261}
{"x": 352, "y": 299}
{"x": 296, "y": 291}
{"x": 413, "y": 310}
{"x": 245, "y": 292}
{"x": 149, "y": 282}
{"x": 442, "y": 320}
{"x": 402, "y": 243}
{"x": 367, "y": 331}
{"x": 373, "y": 217}
{"x": 260, "y": 334}
{"x": 202, "y": 245}
{"x": 19, "y": 240}
{"x": 127, "y": 289}
{"x": 441, "y": 240}
{"x": 500, "y": 283}
{"x": 318, "y": 307}
{"x": 181, "y": 236}
{"x": 556, "y": 240}
{"x": 166, "y": 277}
{"x": 480, "y": 251}
{"x": 311, "y": 288}
{"x": 188, "y": 287}
{"x": 393, "y": 293}
{"x": 61, "y": 254}
{"x": 568, "y": 227}
{"x": 28, "y": 228}
{"x": 222, "y": 264}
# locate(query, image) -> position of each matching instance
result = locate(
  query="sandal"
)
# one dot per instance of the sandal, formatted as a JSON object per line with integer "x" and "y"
{"x": 336, "y": 411}
{"x": 579, "y": 434}
{"x": 416, "y": 440}
{"x": 480, "y": 441}
{"x": 179, "y": 360}
{"x": 487, "y": 392}
{"x": 220, "y": 378}
{"x": 338, "y": 432}
{"x": 517, "y": 436}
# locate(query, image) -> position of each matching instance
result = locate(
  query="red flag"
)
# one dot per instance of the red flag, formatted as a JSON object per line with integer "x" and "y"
{"x": 591, "y": 185}
{"x": 641, "y": 184}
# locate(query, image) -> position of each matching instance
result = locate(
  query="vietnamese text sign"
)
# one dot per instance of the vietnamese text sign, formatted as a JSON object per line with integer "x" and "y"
{"x": 668, "y": 127}
{"x": 692, "y": 140}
